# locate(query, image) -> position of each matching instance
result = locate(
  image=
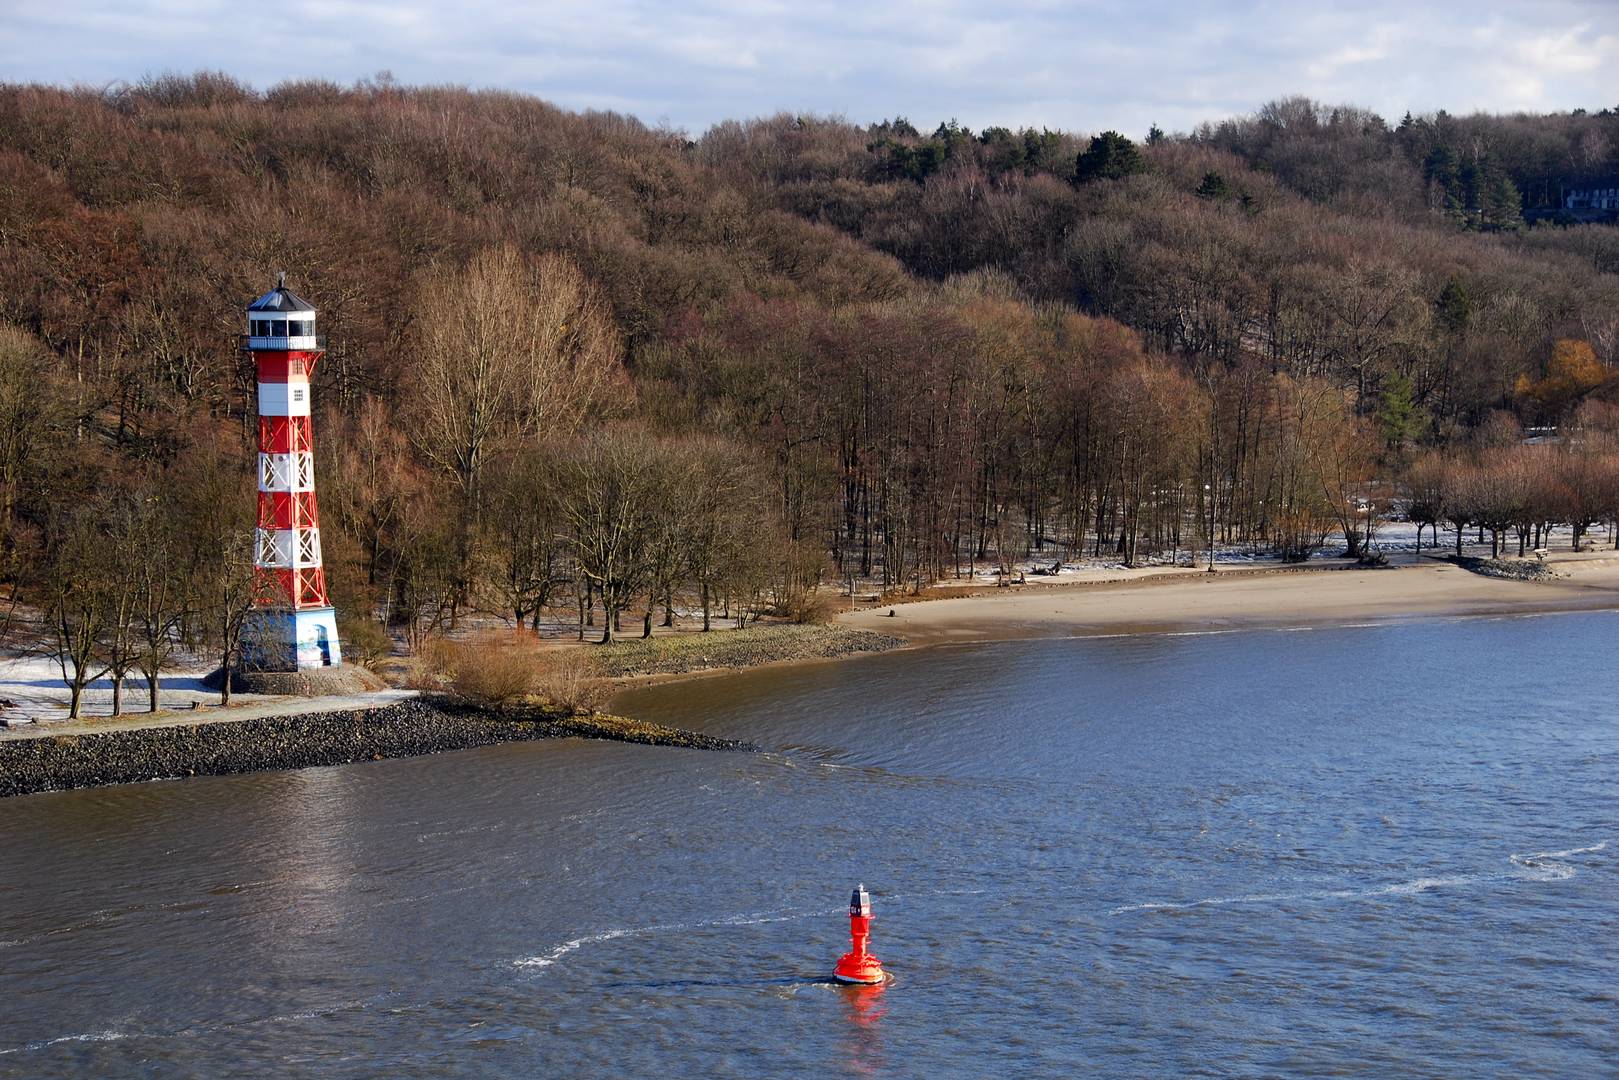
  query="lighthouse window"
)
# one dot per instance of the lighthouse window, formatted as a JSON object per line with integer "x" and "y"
{"x": 280, "y": 328}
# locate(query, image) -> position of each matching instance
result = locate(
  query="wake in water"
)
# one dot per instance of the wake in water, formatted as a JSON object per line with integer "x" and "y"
{"x": 545, "y": 960}
{"x": 1536, "y": 866}
{"x": 1549, "y": 865}
{"x": 752, "y": 918}
{"x": 194, "y": 1031}
{"x": 86, "y": 1037}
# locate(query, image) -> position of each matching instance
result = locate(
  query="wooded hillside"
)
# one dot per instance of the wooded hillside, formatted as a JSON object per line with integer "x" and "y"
{"x": 871, "y": 350}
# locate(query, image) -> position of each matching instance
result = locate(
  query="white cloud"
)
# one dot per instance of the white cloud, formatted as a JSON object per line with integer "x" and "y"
{"x": 1082, "y": 66}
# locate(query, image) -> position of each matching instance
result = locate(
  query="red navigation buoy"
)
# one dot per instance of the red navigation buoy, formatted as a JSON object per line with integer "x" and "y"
{"x": 857, "y": 965}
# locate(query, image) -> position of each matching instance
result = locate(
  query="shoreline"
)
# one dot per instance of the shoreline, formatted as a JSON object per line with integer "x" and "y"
{"x": 1250, "y": 599}
{"x": 410, "y": 728}
{"x": 330, "y": 731}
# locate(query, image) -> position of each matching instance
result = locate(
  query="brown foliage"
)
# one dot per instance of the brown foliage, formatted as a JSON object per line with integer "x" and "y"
{"x": 501, "y": 668}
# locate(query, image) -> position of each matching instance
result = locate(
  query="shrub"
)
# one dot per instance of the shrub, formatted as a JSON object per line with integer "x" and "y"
{"x": 811, "y": 607}
{"x": 490, "y": 669}
{"x": 500, "y": 668}
{"x": 434, "y": 664}
{"x": 365, "y": 641}
{"x": 570, "y": 680}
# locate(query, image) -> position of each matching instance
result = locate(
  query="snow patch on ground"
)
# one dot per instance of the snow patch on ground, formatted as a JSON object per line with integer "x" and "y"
{"x": 33, "y": 684}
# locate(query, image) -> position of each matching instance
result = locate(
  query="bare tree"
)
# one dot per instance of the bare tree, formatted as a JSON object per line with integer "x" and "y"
{"x": 524, "y": 551}
{"x": 76, "y": 598}
{"x": 30, "y": 415}
{"x": 162, "y": 600}
{"x": 505, "y": 347}
{"x": 728, "y": 512}
{"x": 606, "y": 499}
{"x": 1426, "y": 494}
{"x": 229, "y": 590}
{"x": 121, "y": 645}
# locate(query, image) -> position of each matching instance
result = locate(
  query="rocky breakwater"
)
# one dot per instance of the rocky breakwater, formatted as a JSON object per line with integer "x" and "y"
{"x": 43, "y": 762}
{"x": 1511, "y": 569}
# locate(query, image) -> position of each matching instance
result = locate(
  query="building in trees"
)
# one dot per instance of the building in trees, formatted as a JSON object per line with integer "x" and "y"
{"x": 294, "y": 626}
{"x": 1591, "y": 198}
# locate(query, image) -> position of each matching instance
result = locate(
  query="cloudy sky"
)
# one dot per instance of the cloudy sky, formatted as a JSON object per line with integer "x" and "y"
{"x": 1082, "y": 65}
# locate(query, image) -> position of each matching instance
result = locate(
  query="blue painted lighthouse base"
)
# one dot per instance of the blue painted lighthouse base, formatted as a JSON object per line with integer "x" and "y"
{"x": 282, "y": 640}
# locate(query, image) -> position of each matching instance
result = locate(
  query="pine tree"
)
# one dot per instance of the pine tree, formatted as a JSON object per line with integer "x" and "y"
{"x": 1213, "y": 187}
{"x": 1110, "y": 156}
{"x": 1454, "y": 307}
{"x": 1500, "y": 204}
{"x": 1398, "y": 417}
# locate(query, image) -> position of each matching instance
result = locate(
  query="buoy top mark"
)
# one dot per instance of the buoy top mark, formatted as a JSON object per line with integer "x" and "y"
{"x": 860, "y": 903}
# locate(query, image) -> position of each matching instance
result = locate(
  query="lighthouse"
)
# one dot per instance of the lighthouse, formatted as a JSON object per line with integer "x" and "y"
{"x": 293, "y": 628}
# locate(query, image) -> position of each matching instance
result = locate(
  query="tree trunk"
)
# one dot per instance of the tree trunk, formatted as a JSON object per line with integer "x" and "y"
{"x": 224, "y": 681}
{"x": 705, "y": 606}
{"x": 646, "y": 621}
{"x": 118, "y": 694}
{"x": 152, "y": 688}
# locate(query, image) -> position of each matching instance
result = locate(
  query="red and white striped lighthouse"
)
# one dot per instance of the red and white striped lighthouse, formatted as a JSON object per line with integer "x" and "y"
{"x": 294, "y": 628}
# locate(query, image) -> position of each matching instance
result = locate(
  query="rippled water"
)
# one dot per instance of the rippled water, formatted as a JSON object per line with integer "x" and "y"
{"x": 1377, "y": 851}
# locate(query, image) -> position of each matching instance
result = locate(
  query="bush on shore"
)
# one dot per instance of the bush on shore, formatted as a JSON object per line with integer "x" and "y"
{"x": 500, "y": 668}
{"x": 365, "y": 641}
{"x": 812, "y": 607}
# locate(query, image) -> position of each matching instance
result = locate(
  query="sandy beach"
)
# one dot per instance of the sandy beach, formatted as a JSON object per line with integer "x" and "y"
{"x": 1192, "y": 601}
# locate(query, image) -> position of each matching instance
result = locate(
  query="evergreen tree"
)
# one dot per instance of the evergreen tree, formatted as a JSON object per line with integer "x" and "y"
{"x": 1110, "y": 156}
{"x": 1500, "y": 206}
{"x": 1454, "y": 307}
{"x": 899, "y": 127}
{"x": 1213, "y": 187}
{"x": 1041, "y": 149}
{"x": 1442, "y": 171}
{"x": 1398, "y": 417}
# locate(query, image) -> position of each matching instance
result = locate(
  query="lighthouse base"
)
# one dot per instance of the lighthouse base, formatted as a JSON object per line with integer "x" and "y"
{"x": 278, "y": 639}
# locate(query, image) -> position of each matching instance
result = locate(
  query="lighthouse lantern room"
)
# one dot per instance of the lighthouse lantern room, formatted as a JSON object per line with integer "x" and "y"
{"x": 293, "y": 627}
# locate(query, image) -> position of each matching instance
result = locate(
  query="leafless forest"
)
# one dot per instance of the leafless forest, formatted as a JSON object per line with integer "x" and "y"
{"x": 580, "y": 365}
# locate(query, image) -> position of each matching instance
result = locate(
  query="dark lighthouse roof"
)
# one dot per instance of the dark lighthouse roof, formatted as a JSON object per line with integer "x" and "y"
{"x": 281, "y": 299}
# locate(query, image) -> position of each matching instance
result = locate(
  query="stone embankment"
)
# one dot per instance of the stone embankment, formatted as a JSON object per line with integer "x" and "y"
{"x": 407, "y": 729}
{"x": 756, "y": 645}
{"x": 1511, "y": 569}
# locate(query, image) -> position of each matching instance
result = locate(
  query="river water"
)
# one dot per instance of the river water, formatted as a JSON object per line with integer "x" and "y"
{"x": 1345, "y": 852}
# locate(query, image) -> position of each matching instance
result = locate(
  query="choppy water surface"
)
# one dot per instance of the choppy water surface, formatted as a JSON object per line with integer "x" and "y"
{"x": 1378, "y": 851}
